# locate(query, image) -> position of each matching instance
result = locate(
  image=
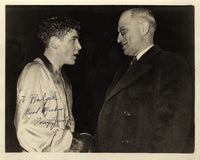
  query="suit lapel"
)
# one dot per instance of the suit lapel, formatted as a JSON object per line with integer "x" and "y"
{"x": 142, "y": 66}
{"x": 117, "y": 77}
{"x": 129, "y": 77}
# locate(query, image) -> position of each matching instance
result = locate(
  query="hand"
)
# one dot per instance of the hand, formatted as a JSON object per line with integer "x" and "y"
{"x": 76, "y": 146}
{"x": 82, "y": 143}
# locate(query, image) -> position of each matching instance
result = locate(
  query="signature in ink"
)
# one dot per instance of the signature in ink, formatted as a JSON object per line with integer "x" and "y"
{"x": 51, "y": 124}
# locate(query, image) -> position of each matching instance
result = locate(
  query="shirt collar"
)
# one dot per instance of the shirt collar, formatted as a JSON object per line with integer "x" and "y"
{"x": 143, "y": 52}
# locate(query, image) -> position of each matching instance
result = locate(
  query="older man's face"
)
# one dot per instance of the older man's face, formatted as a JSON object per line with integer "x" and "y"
{"x": 129, "y": 34}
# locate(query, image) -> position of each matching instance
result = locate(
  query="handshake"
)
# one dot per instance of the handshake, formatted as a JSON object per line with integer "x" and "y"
{"x": 82, "y": 142}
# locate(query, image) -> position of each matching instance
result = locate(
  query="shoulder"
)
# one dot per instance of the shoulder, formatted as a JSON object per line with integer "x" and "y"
{"x": 31, "y": 71}
{"x": 172, "y": 65}
{"x": 168, "y": 59}
{"x": 34, "y": 66}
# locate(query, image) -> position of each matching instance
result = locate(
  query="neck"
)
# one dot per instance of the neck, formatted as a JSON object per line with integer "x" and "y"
{"x": 147, "y": 45}
{"x": 144, "y": 46}
{"x": 53, "y": 58}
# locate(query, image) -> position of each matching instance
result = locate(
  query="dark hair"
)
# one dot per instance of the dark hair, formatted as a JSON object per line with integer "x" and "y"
{"x": 56, "y": 26}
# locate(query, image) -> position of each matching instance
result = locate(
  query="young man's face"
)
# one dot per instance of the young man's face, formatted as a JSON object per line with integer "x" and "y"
{"x": 69, "y": 47}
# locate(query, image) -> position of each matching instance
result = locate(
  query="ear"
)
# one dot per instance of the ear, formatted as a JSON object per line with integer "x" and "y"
{"x": 54, "y": 42}
{"x": 145, "y": 27}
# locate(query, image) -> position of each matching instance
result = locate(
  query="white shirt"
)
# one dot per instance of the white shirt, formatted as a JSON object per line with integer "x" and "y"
{"x": 143, "y": 52}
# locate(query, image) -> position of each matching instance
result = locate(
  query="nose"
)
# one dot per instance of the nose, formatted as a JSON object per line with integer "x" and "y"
{"x": 119, "y": 38}
{"x": 78, "y": 45}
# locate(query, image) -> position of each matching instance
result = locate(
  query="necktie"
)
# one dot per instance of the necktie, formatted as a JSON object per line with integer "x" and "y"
{"x": 132, "y": 63}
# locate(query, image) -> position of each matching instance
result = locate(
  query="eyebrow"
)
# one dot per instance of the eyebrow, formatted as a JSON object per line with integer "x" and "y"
{"x": 75, "y": 37}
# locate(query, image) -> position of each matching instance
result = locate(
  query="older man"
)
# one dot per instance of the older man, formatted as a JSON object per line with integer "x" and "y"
{"x": 148, "y": 107}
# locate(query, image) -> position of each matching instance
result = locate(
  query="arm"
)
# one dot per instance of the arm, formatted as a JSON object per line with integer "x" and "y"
{"x": 173, "y": 107}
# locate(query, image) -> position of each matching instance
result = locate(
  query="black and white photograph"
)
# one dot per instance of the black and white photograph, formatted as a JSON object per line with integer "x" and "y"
{"x": 100, "y": 79}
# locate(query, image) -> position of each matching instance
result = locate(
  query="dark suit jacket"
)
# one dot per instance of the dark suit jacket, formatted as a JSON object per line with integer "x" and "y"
{"x": 149, "y": 107}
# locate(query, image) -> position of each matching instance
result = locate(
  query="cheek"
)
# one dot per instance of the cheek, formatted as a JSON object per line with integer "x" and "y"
{"x": 134, "y": 40}
{"x": 130, "y": 41}
{"x": 68, "y": 49}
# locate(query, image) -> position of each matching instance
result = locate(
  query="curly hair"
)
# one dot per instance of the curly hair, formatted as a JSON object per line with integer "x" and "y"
{"x": 56, "y": 26}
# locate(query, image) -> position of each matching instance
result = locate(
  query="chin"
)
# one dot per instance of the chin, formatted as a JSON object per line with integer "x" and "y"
{"x": 70, "y": 63}
{"x": 127, "y": 53}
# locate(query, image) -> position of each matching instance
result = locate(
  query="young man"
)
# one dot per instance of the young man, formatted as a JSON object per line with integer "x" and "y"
{"x": 43, "y": 119}
{"x": 148, "y": 107}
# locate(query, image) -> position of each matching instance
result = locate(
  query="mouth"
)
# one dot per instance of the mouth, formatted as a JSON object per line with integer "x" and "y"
{"x": 75, "y": 55}
{"x": 124, "y": 45}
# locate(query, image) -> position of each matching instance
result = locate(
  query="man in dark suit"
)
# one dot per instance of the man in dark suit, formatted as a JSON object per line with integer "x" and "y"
{"x": 148, "y": 107}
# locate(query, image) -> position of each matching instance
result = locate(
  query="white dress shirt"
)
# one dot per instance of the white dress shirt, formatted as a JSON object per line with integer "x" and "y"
{"x": 143, "y": 52}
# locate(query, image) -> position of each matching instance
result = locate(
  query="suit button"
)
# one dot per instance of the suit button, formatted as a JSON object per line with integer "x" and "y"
{"x": 127, "y": 114}
{"x": 125, "y": 141}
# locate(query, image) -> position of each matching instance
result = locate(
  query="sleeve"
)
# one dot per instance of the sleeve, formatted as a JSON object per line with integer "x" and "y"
{"x": 37, "y": 131}
{"x": 174, "y": 107}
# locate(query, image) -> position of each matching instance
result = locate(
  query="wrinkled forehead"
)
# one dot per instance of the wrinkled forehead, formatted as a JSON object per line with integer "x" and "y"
{"x": 125, "y": 19}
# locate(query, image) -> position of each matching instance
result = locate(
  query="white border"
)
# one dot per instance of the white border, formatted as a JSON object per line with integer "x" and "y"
{"x": 2, "y": 79}
{"x": 99, "y": 2}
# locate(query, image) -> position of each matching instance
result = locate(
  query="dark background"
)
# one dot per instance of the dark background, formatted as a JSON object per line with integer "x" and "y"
{"x": 99, "y": 58}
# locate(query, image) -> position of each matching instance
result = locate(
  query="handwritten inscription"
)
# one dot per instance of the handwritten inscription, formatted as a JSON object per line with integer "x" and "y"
{"x": 34, "y": 98}
{"x": 51, "y": 124}
{"x": 37, "y": 104}
{"x": 22, "y": 99}
{"x": 49, "y": 109}
{"x": 28, "y": 111}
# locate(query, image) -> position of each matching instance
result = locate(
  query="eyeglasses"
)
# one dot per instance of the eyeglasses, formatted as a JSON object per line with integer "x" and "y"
{"x": 123, "y": 31}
